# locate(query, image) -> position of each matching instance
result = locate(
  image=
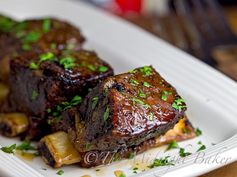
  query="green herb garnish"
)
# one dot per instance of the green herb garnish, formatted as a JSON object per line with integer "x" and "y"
{"x": 53, "y": 45}
{"x": 142, "y": 95}
{"x": 106, "y": 113}
{"x": 32, "y": 36}
{"x": 117, "y": 157}
{"x": 9, "y": 149}
{"x": 95, "y": 101}
{"x": 186, "y": 130}
{"x": 173, "y": 145}
{"x": 138, "y": 101}
{"x": 60, "y": 172}
{"x": 97, "y": 170}
{"x": 131, "y": 155}
{"x": 146, "y": 84}
{"x": 202, "y": 146}
{"x": 122, "y": 175}
{"x": 161, "y": 162}
{"x": 46, "y": 25}
{"x": 34, "y": 95}
{"x": 135, "y": 170}
{"x": 88, "y": 146}
{"x": 147, "y": 70}
{"x": 179, "y": 104}
{"x": 68, "y": 62}
{"x": 103, "y": 68}
{"x": 198, "y": 132}
{"x": 34, "y": 65}
{"x": 25, "y": 146}
{"x": 91, "y": 67}
{"x": 49, "y": 56}
{"x": 26, "y": 47}
{"x": 6, "y": 24}
{"x": 165, "y": 95}
{"x": 134, "y": 82}
{"x": 182, "y": 152}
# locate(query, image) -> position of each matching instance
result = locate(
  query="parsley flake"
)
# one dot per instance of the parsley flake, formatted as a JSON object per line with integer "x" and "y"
{"x": 9, "y": 149}
{"x": 182, "y": 152}
{"x": 142, "y": 95}
{"x": 95, "y": 101}
{"x": 91, "y": 67}
{"x": 134, "y": 82}
{"x": 34, "y": 95}
{"x": 46, "y": 25}
{"x": 138, "y": 101}
{"x": 202, "y": 146}
{"x": 173, "y": 145}
{"x": 147, "y": 70}
{"x": 68, "y": 62}
{"x": 198, "y": 132}
{"x": 60, "y": 172}
{"x": 165, "y": 95}
{"x": 103, "y": 69}
{"x": 49, "y": 56}
{"x": 106, "y": 113}
{"x": 25, "y": 146}
{"x": 161, "y": 162}
{"x": 146, "y": 84}
{"x": 179, "y": 104}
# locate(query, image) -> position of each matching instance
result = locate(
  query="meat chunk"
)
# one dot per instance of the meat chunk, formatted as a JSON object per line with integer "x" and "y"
{"x": 44, "y": 85}
{"x": 39, "y": 36}
{"x": 126, "y": 110}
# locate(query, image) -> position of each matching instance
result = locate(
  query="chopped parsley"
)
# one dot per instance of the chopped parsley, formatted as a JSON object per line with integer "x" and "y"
{"x": 138, "y": 101}
{"x": 122, "y": 175}
{"x": 131, "y": 155}
{"x": 134, "y": 82}
{"x": 173, "y": 145}
{"x": 66, "y": 105}
{"x": 179, "y": 104}
{"x": 97, "y": 170}
{"x": 26, "y": 47}
{"x": 60, "y": 172}
{"x": 95, "y": 101}
{"x": 146, "y": 84}
{"x": 6, "y": 24}
{"x": 53, "y": 45}
{"x": 9, "y": 149}
{"x": 198, "y": 132}
{"x": 68, "y": 62}
{"x": 49, "y": 56}
{"x": 142, "y": 95}
{"x": 186, "y": 130}
{"x": 88, "y": 146}
{"x": 161, "y": 162}
{"x": 25, "y": 146}
{"x": 91, "y": 67}
{"x": 46, "y": 25}
{"x": 117, "y": 157}
{"x": 34, "y": 65}
{"x": 135, "y": 170}
{"x": 165, "y": 95}
{"x": 103, "y": 68}
{"x": 182, "y": 152}
{"x": 31, "y": 37}
{"x": 202, "y": 146}
{"x": 147, "y": 70}
{"x": 106, "y": 114}
{"x": 34, "y": 95}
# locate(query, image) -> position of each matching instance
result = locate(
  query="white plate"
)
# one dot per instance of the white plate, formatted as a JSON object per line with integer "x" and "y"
{"x": 211, "y": 96}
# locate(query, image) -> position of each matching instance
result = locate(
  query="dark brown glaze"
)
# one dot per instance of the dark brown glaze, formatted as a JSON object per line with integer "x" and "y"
{"x": 123, "y": 116}
{"x": 51, "y": 84}
{"x": 39, "y": 36}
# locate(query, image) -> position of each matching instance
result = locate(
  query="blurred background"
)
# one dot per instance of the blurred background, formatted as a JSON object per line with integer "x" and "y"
{"x": 206, "y": 29}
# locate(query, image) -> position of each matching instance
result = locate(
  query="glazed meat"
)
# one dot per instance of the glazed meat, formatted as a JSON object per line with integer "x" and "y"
{"x": 126, "y": 110}
{"x": 44, "y": 85}
{"x": 39, "y": 36}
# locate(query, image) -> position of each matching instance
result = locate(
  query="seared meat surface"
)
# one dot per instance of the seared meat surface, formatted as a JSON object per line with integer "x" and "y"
{"x": 126, "y": 110}
{"x": 44, "y": 85}
{"x": 38, "y": 36}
